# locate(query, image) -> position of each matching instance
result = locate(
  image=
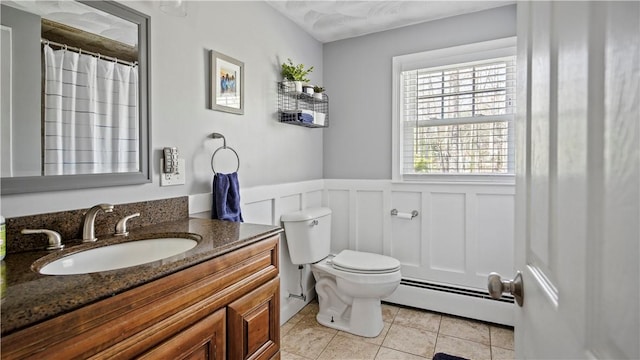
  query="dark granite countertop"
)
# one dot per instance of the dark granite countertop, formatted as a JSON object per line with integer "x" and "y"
{"x": 30, "y": 297}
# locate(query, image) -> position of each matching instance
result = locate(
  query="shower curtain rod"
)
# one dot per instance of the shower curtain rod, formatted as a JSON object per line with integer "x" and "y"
{"x": 78, "y": 50}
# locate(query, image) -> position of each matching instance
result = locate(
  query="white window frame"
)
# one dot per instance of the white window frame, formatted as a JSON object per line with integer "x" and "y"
{"x": 440, "y": 58}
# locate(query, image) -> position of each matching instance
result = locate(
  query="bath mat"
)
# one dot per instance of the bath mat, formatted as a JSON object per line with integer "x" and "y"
{"x": 443, "y": 356}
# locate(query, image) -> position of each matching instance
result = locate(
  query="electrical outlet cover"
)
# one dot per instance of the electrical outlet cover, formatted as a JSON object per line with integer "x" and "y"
{"x": 177, "y": 178}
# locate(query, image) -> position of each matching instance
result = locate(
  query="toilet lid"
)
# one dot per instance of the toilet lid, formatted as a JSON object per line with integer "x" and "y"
{"x": 364, "y": 262}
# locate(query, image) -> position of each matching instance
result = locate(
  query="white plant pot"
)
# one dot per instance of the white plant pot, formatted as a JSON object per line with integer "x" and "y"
{"x": 317, "y": 96}
{"x": 298, "y": 85}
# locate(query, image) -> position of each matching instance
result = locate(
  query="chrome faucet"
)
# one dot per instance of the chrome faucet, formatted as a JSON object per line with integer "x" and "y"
{"x": 88, "y": 230}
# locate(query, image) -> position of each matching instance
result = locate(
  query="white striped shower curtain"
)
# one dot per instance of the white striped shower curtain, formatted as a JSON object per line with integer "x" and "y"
{"x": 91, "y": 115}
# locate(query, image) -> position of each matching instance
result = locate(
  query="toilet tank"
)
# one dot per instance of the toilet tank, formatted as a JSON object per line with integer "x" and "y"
{"x": 308, "y": 234}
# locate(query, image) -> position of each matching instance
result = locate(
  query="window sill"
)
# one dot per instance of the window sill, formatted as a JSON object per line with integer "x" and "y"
{"x": 458, "y": 179}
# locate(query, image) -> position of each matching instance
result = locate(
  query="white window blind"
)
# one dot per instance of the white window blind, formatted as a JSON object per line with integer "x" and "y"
{"x": 458, "y": 119}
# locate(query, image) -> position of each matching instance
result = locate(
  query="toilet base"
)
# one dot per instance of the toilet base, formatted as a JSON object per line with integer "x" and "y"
{"x": 351, "y": 303}
{"x": 363, "y": 318}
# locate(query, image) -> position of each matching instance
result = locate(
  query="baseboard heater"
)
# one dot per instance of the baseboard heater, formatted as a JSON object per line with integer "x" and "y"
{"x": 454, "y": 290}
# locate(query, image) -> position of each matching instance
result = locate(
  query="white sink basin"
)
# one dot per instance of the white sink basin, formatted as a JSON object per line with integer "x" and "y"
{"x": 118, "y": 256}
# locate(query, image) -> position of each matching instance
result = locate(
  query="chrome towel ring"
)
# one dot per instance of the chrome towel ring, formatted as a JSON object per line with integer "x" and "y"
{"x": 223, "y": 147}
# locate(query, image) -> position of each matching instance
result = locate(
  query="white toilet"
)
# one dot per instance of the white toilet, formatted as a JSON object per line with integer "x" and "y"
{"x": 350, "y": 284}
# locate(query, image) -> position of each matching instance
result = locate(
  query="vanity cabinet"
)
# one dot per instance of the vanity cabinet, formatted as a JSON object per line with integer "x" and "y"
{"x": 252, "y": 332}
{"x": 203, "y": 340}
{"x": 225, "y": 307}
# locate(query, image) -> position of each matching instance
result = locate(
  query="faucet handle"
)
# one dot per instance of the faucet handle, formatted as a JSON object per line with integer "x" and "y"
{"x": 55, "y": 240}
{"x": 121, "y": 226}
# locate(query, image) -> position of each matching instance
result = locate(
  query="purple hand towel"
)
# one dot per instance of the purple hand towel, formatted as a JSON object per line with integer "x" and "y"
{"x": 226, "y": 198}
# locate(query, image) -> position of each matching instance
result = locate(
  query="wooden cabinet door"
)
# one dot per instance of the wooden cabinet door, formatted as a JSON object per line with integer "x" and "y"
{"x": 253, "y": 323}
{"x": 203, "y": 340}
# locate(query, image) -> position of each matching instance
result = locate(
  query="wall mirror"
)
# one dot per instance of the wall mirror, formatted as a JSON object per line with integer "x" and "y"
{"x": 75, "y": 95}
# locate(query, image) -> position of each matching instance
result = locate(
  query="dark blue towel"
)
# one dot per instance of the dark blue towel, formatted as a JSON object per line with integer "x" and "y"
{"x": 305, "y": 118}
{"x": 226, "y": 198}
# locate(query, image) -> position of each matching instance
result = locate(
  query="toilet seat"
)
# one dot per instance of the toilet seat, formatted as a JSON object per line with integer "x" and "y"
{"x": 364, "y": 262}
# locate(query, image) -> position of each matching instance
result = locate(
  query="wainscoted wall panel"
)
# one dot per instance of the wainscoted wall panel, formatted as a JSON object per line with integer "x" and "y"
{"x": 314, "y": 198}
{"x": 406, "y": 240}
{"x": 462, "y": 232}
{"x": 339, "y": 202}
{"x": 446, "y": 232}
{"x": 258, "y": 212}
{"x": 369, "y": 224}
{"x": 494, "y": 234}
{"x": 290, "y": 203}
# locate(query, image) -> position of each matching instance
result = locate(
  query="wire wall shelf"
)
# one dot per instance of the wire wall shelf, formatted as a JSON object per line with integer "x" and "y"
{"x": 300, "y": 108}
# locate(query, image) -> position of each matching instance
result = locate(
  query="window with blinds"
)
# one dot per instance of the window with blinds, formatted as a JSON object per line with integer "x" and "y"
{"x": 458, "y": 119}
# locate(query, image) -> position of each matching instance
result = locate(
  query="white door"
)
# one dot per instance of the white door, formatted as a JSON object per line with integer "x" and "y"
{"x": 578, "y": 187}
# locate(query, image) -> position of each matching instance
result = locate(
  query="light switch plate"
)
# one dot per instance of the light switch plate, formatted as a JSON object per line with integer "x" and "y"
{"x": 177, "y": 178}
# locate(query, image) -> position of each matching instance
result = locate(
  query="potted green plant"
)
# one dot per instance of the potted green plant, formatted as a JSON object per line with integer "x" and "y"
{"x": 296, "y": 73}
{"x": 317, "y": 92}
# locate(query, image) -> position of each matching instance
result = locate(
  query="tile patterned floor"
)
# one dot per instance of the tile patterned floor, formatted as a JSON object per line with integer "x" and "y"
{"x": 408, "y": 334}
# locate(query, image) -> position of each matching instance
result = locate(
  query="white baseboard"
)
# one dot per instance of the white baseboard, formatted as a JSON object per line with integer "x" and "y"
{"x": 460, "y": 305}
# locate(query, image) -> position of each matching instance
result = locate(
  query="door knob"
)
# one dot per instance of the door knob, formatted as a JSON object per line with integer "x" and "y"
{"x": 497, "y": 287}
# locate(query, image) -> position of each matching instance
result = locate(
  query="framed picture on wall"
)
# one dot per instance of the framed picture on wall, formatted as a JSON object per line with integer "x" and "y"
{"x": 227, "y": 83}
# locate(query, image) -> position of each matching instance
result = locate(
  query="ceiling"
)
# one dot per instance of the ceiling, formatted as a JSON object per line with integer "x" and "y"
{"x": 82, "y": 17}
{"x": 325, "y": 20}
{"x": 331, "y": 20}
